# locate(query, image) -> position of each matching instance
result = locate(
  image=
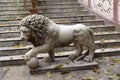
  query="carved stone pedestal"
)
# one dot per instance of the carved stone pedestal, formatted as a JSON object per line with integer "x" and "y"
{"x": 63, "y": 64}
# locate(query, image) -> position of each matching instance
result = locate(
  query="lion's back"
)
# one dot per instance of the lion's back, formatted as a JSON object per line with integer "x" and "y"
{"x": 67, "y": 32}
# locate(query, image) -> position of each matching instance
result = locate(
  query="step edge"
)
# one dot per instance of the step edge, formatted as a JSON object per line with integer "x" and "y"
{"x": 29, "y": 46}
{"x": 15, "y": 57}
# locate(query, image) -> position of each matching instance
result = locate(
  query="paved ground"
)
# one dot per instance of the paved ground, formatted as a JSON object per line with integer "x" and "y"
{"x": 109, "y": 69}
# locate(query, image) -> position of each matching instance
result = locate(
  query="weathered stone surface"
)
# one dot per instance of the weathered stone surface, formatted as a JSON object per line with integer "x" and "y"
{"x": 22, "y": 72}
{"x": 19, "y": 59}
{"x": 63, "y": 64}
{"x": 3, "y": 72}
{"x": 61, "y": 14}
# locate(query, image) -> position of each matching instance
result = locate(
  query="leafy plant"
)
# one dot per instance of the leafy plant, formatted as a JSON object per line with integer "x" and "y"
{"x": 33, "y": 3}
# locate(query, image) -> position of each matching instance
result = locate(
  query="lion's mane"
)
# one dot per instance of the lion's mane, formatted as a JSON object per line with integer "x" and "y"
{"x": 38, "y": 24}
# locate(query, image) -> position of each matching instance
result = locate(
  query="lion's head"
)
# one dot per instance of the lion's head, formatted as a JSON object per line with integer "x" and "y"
{"x": 34, "y": 29}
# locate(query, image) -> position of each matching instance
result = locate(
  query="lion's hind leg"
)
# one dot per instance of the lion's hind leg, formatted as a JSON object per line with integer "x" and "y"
{"x": 91, "y": 49}
{"x": 84, "y": 53}
{"x": 79, "y": 50}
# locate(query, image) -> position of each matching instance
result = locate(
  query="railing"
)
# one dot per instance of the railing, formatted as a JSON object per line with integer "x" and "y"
{"x": 106, "y": 8}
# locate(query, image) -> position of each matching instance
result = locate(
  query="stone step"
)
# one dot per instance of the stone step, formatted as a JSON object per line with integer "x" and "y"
{"x": 57, "y": 0}
{"x": 53, "y": 10}
{"x": 13, "y": 43}
{"x": 100, "y": 28}
{"x": 98, "y": 43}
{"x": 71, "y": 66}
{"x": 9, "y": 27}
{"x": 72, "y": 17}
{"x": 19, "y": 17}
{"x": 53, "y": 3}
{"x": 12, "y": 8}
{"x": 102, "y": 44}
{"x": 57, "y": 6}
{"x": 96, "y": 28}
{"x": 42, "y": 3}
{"x": 12, "y": 17}
{"x": 58, "y": 20}
{"x": 82, "y": 12}
{"x": 19, "y": 59}
{"x": 13, "y": 4}
{"x": 103, "y": 28}
{"x": 12, "y": 1}
{"x": 43, "y": 11}
{"x": 10, "y": 31}
{"x": 53, "y": 14}
{"x": 10, "y": 22}
{"x": 16, "y": 44}
{"x": 64, "y": 13}
{"x": 13, "y": 12}
{"x": 7, "y": 32}
{"x": 3, "y": 1}
{"x": 43, "y": 6}
{"x": 107, "y": 35}
{"x": 98, "y": 36}
{"x": 85, "y": 22}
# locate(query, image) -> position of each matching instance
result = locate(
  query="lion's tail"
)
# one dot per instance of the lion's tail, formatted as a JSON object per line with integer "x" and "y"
{"x": 92, "y": 35}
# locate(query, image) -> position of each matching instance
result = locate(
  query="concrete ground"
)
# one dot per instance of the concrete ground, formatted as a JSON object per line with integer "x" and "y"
{"x": 109, "y": 69}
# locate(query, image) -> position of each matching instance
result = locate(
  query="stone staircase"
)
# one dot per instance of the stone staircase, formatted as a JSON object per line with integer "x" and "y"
{"x": 12, "y": 48}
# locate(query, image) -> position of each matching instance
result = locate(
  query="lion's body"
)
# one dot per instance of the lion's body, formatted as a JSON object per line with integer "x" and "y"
{"x": 67, "y": 34}
{"x": 57, "y": 35}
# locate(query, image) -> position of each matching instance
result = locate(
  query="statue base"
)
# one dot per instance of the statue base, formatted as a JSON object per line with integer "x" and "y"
{"x": 63, "y": 64}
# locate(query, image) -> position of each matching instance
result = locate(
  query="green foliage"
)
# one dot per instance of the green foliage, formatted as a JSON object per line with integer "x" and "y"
{"x": 33, "y": 3}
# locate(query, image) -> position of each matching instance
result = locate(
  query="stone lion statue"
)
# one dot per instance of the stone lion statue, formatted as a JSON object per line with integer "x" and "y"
{"x": 46, "y": 35}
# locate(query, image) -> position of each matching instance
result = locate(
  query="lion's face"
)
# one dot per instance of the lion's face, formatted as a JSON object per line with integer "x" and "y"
{"x": 25, "y": 33}
{"x": 34, "y": 29}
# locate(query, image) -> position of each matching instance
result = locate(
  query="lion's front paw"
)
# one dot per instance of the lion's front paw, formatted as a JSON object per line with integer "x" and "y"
{"x": 88, "y": 58}
{"x": 47, "y": 59}
{"x": 28, "y": 56}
